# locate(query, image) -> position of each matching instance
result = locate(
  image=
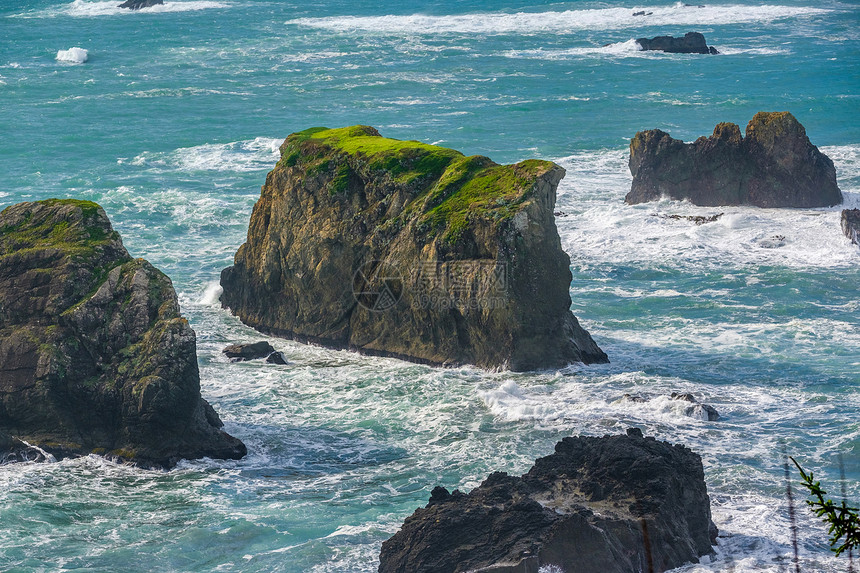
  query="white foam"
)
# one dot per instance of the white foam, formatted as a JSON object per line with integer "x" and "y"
{"x": 627, "y": 48}
{"x": 89, "y": 8}
{"x": 73, "y": 55}
{"x": 238, "y": 156}
{"x": 600, "y": 227}
{"x": 212, "y": 294}
{"x": 568, "y": 21}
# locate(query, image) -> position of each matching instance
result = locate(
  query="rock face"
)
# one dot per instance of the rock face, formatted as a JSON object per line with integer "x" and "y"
{"x": 775, "y": 165}
{"x": 691, "y": 43}
{"x": 403, "y": 249}
{"x": 94, "y": 355}
{"x": 616, "y": 504}
{"x": 138, "y": 4}
{"x": 850, "y": 221}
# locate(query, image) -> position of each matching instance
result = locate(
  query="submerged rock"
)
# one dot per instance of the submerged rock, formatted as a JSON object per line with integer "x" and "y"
{"x": 615, "y": 504}
{"x": 775, "y": 165}
{"x": 262, "y": 349}
{"x": 850, "y": 221}
{"x": 691, "y": 43}
{"x": 403, "y": 249}
{"x": 140, "y": 4}
{"x": 94, "y": 355}
{"x": 697, "y": 219}
{"x": 703, "y": 412}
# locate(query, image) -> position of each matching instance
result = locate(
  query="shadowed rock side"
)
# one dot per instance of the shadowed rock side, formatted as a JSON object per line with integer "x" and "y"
{"x": 691, "y": 43}
{"x": 616, "y": 504}
{"x": 94, "y": 355}
{"x": 850, "y": 221}
{"x": 399, "y": 248}
{"x": 775, "y": 165}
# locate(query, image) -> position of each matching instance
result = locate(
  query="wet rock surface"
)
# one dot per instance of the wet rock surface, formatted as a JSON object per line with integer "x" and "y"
{"x": 94, "y": 355}
{"x": 612, "y": 504}
{"x": 398, "y": 248}
{"x": 773, "y": 165}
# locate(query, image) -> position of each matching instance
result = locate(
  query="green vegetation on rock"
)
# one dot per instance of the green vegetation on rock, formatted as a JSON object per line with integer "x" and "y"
{"x": 450, "y": 190}
{"x": 477, "y": 271}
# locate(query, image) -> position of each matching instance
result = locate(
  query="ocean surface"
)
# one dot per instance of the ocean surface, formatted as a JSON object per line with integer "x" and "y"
{"x": 174, "y": 119}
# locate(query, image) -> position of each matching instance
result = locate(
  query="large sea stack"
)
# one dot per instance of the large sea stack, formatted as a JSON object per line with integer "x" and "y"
{"x": 775, "y": 165}
{"x": 616, "y": 504}
{"x": 399, "y": 248}
{"x": 94, "y": 355}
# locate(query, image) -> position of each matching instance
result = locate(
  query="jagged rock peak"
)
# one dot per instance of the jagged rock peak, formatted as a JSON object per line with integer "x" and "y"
{"x": 774, "y": 165}
{"x": 94, "y": 355}
{"x": 405, "y": 249}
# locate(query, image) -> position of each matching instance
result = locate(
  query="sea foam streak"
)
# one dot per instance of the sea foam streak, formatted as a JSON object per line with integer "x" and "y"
{"x": 238, "y": 156}
{"x": 594, "y": 230}
{"x": 558, "y": 22}
{"x": 86, "y": 8}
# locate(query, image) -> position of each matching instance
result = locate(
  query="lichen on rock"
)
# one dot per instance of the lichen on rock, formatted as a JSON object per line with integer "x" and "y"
{"x": 773, "y": 165}
{"x": 405, "y": 249}
{"x": 94, "y": 355}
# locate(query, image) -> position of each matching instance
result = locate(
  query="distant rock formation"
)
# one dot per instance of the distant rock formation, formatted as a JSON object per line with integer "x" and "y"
{"x": 615, "y": 504}
{"x": 850, "y": 221}
{"x": 775, "y": 165}
{"x": 399, "y": 248}
{"x": 140, "y": 4}
{"x": 691, "y": 43}
{"x": 94, "y": 355}
{"x": 262, "y": 349}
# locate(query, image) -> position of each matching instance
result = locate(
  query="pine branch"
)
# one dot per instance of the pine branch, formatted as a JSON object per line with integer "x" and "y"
{"x": 843, "y": 519}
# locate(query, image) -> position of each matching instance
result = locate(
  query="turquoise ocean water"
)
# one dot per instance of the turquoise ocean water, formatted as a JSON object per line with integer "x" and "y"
{"x": 175, "y": 119}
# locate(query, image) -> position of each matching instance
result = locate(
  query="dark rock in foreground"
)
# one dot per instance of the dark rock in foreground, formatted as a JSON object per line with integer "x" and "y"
{"x": 94, "y": 355}
{"x": 616, "y": 504}
{"x": 850, "y": 221}
{"x": 775, "y": 165}
{"x": 140, "y": 4}
{"x": 691, "y": 43}
{"x": 262, "y": 349}
{"x": 399, "y": 248}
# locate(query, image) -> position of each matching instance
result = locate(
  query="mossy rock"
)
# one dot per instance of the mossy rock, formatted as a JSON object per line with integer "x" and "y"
{"x": 349, "y": 210}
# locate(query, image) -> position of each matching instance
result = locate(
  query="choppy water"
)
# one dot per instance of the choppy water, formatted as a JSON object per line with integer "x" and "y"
{"x": 172, "y": 123}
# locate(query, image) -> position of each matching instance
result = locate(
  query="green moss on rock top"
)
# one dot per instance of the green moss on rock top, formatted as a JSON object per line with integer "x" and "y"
{"x": 449, "y": 189}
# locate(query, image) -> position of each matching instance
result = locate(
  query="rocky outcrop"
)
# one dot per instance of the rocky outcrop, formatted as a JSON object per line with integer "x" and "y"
{"x": 850, "y": 221}
{"x": 616, "y": 504}
{"x": 262, "y": 349}
{"x": 399, "y": 248}
{"x": 704, "y": 412}
{"x": 775, "y": 165}
{"x": 691, "y": 43}
{"x": 94, "y": 355}
{"x": 140, "y": 4}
